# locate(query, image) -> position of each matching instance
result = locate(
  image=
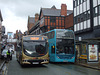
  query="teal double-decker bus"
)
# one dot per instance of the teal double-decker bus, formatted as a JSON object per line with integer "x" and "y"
{"x": 61, "y": 45}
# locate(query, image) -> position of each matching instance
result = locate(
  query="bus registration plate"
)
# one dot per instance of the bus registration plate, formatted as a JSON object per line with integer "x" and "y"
{"x": 35, "y": 62}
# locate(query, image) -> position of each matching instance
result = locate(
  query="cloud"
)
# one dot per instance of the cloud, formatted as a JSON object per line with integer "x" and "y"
{"x": 15, "y": 12}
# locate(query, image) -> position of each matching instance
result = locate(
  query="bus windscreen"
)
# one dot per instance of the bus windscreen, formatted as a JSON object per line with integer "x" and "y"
{"x": 34, "y": 48}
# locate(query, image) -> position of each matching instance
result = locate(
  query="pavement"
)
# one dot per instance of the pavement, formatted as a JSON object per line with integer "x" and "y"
{"x": 2, "y": 62}
{"x": 89, "y": 65}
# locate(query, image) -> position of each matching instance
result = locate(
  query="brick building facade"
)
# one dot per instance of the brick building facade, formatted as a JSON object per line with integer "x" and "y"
{"x": 52, "y": 18}
{"x": 69, "y": 22}
{"x": 31, "y": 21}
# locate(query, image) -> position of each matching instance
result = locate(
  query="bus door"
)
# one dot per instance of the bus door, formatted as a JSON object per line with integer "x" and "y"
{"x": 52, "y": 53}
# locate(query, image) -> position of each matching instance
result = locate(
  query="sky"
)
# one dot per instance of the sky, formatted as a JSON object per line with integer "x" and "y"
{"x": 15, "y": 12}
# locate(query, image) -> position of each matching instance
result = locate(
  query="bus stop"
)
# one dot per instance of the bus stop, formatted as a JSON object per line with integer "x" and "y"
{"x": 85, "y": 55}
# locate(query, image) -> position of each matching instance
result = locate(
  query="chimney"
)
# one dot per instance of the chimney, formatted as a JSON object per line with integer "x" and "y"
{"x": 36, "y": 17}
{"x": 63, "y": 10}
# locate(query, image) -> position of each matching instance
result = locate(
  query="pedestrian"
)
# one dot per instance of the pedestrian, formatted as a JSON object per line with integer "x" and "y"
{"x": 76, "y": 55}
{"x": 8, "y": 55}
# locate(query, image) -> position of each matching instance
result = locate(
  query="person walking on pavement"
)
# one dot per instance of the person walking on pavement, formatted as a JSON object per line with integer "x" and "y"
{"x": 76, "y": 55}
{"x": 8, "y": 55}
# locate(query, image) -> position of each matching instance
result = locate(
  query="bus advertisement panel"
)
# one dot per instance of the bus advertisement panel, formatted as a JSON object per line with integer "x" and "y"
{"x": 93, "y": 53}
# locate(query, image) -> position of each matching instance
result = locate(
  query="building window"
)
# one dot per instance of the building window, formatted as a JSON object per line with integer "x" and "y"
{"x": 75, "y": 20}
{"x": 88, "y": 23}
{"x": 52, "y": 27}
{"x": 88, "y": 14}
{"x": 95, "y": 3}
{"x": 74, "y": 11}
{"x": 99, "y": 9}
{"x": 81, "y": 25}
{"x": 53, "y": 19}
{"x": 99, "y": 20}
{"x": 78, "y": 10}
{"x": 84, "y": 6}
{"x": 88, "y": 4}
{"x": 74, "y": 27}
{"x": 81, "y": 8}
{"x": 81, "y": 1}
{"x": 82, "y": 17}
{"x": 78, "y": 2}
{"x": 74, "y": 3}
{"x": 95, "y": 12}
{"x": 85, "y": 16}
{"x": 78, "y": 19}
{"x": 98, "y": 2}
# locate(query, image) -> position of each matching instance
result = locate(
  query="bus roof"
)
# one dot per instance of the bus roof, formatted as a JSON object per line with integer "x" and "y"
{"x": 58, "y": 30}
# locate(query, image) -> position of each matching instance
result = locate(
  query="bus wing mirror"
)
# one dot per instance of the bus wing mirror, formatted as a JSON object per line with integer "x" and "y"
{"x": 47, "y": 44}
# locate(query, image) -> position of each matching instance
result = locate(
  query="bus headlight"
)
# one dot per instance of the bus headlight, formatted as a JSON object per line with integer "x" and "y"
{"x": 58, "y": 57}
{"x": 72, "y": 57}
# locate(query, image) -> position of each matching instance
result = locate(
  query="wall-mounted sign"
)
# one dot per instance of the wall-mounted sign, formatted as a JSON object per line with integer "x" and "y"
{"x": 93, "y": 53}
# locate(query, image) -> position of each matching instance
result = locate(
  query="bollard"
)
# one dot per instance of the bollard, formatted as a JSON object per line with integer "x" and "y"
{"x": 2, "y": 72}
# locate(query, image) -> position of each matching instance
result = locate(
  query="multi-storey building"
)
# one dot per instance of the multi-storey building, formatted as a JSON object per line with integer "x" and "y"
{"x": 1, "y": 19}
{"x": 51, "y": 18}
{"x": 31, "y": 21}
{"x": 86, "y": 20}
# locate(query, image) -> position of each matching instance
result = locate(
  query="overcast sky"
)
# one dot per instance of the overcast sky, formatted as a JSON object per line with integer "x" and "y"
{"x": 15, "y": 12}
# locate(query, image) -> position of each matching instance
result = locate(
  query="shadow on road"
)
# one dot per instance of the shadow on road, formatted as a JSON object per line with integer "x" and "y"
{"x": 62, "y": 63}
{"x": 33, "y": 66}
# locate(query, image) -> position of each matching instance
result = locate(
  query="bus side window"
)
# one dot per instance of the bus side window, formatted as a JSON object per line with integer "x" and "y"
{"x": 19, "y": 48}
{"x": 52, "y": 49}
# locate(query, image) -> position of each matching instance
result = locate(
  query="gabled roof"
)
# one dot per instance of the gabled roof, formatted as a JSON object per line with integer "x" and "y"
{"x": 31, "y": 20}
{"x": 69, "y": 12}
{"x": 51, "y": 12}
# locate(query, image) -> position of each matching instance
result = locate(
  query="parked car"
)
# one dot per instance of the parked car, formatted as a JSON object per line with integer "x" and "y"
{"x": 10, "y": 47}
{"x": 4, "y": 54}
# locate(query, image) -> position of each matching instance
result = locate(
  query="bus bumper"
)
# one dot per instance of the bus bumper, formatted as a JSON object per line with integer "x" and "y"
{"x": 35, "y": 62}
